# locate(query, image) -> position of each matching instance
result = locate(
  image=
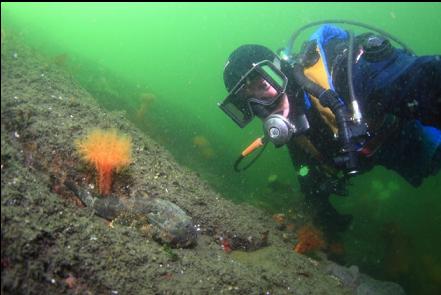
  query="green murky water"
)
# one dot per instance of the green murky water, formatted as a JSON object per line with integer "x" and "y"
{"x": 162, "y": 63}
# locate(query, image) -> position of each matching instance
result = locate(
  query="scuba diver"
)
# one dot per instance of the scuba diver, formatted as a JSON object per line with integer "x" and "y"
{"x": 342, "y": 105}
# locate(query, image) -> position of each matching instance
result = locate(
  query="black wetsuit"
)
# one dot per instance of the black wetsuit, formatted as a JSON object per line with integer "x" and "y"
{"x": 399, "y": 96}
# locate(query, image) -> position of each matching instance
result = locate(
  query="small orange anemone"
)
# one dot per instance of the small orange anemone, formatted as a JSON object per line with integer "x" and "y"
{"x": 310, "y": 239}
{"x": 107, "y": 151}
{"x": 279, "y": 218}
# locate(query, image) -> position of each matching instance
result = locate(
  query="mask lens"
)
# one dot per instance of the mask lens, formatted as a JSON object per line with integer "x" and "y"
{"x": 237, "y": 107}
{"x": 276, "y": 78}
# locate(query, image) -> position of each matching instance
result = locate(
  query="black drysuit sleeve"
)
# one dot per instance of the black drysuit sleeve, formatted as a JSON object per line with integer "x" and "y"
{"x": 317, "y": 186}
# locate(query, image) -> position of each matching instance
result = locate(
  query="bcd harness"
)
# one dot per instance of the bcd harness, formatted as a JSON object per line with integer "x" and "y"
{"x": 311, "y": 72}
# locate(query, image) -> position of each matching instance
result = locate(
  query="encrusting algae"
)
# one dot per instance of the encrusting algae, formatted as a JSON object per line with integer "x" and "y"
{"x": 108, "y": 151}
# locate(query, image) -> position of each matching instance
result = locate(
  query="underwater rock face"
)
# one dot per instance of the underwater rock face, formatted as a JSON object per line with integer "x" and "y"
{"x": 170, "y": 224}
{"x": 371, "y": 286}
{"x": 362, "y": 284}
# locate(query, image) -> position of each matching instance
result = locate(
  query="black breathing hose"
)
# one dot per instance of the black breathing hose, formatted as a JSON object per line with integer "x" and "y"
{"x": 294, "y": 35}
{"x": 328, "y": 98}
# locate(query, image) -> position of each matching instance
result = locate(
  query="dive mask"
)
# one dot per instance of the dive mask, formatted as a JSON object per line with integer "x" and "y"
{"x": 242, "y": 107}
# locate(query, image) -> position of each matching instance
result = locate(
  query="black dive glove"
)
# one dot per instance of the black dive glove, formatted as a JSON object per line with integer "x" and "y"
{"x": 334, "y": 186}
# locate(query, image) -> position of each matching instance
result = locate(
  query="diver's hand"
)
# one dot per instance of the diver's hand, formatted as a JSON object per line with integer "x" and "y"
{"x": 335, "y": 186}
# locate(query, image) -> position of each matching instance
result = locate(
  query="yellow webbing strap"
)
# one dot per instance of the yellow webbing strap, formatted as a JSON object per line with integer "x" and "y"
{"x": 317, "y": 74}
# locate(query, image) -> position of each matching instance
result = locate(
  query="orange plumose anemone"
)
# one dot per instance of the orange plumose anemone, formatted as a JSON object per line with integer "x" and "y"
{"x": 310, "y": 239}
{"x": 108, "y": 151}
